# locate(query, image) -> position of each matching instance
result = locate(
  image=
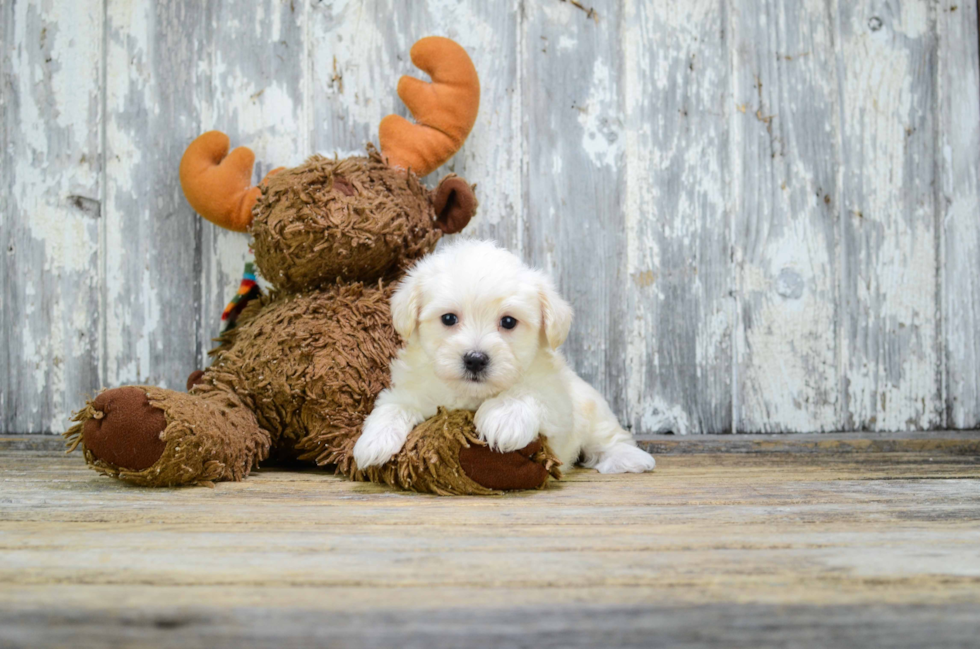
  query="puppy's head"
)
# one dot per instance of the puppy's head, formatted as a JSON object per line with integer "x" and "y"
{"x": 480, "y": 315}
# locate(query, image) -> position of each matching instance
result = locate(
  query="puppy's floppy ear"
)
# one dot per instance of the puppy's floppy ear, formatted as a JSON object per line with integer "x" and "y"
{"x": 405, "y": 305}
{"x": 556, "y": 314}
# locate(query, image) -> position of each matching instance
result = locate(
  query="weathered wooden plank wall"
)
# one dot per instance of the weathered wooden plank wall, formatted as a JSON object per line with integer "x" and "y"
{"x": 259, "y": 95}
{"x": 53, "y": 183}
{"x": 155, "y": 95}
{"x": 766, "y": 212}
{"x": 959, "y": 198}
{"x": 785, "y": 162}
{"x": 889, "y": 289}
{"x": 679, "y": 281}
{"x": 573, "y": 115}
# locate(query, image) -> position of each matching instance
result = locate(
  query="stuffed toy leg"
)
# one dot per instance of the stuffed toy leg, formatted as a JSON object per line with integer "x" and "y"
{"x": 161, "y": 438}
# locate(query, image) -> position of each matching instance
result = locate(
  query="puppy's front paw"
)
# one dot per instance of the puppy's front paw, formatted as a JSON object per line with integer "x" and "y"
{"x": 625, "y": 458}
{"x": 383, "y": 436}
{"x": 506, "y": 424}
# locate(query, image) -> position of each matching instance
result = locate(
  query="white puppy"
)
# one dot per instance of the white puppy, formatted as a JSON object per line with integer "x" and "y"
{"x": 482, "y": 332}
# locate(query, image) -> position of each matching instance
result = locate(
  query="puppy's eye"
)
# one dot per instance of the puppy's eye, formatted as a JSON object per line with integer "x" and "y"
{"x": 449, "y": 319}
{"x": 508, "y": 322}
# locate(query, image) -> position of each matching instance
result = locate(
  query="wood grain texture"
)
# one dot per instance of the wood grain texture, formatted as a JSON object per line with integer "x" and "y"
{"x": 959, "y": 208}
{"x": 933, "y": 442}
{"x": 679, "y": 277}
{"x": 258, "y": 96}
{"x": 581, "y": 625}
{"x": 52, "y": 210}
{"x": 785, "y": 165}
{"x": 156, "y": 85}
{"x": 572, "y": 92}
{"x": 359, "y": 57}
{"x": 890, "y": 361}
{"x": 763, "y": 211}
{"x": 703, "y": 542}
{"x": 6, "y": 185}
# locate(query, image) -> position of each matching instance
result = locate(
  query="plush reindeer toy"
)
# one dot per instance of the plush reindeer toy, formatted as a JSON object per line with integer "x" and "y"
{"x": 299, "y": 373}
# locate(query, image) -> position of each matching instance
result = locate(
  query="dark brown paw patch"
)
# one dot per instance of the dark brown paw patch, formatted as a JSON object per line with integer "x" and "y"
{"x": 125, "y": 430}
{"x": 195, "y": 377}
{"x": 503, "y": 471}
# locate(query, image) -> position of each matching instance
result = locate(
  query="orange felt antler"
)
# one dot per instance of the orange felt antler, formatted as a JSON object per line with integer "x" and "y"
{"x": 445, "y": 110}
{"x": 218, "y": 184}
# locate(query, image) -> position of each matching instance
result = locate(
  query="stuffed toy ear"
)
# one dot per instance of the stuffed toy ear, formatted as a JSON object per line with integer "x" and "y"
{"x": 556, "y": 314}
{"x": 455, "y": 204}
{"x": 218, "y": 184}
{"x": 405, "y": 305}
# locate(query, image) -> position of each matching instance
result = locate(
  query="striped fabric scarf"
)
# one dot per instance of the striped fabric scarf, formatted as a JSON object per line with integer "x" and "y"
{"x": 248, "y": 290}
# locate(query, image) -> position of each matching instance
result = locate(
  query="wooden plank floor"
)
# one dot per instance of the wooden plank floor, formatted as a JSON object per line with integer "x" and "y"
{"x": 844, "y": 545}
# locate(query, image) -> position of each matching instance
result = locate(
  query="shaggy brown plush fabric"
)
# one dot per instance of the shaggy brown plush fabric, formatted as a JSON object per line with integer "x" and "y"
{"x": 430, "y": 461}
{"x": 209, "y": 436}
{"x": 352, "y": 219}
{"x": 310, "y": 364}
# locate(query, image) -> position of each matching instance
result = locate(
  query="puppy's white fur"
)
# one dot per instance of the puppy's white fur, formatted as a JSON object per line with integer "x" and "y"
{"x": 525, "y": 389}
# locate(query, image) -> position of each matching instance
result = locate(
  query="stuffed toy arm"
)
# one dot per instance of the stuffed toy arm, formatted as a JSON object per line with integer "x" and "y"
{"x": 443, "y": 455}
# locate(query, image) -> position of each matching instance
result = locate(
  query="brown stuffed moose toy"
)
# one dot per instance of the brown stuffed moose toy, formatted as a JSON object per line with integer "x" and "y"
{"x": 295, "y": 379}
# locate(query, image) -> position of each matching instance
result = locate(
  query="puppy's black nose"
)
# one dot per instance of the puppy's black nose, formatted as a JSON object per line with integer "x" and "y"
{"x": 475, "y": 362}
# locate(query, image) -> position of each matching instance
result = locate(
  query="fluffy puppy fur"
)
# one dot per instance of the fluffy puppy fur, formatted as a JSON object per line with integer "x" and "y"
{"x": 482, "y": 332}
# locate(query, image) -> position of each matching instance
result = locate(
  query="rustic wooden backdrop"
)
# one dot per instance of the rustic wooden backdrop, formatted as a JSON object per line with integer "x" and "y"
{"x": 765, "y": 212}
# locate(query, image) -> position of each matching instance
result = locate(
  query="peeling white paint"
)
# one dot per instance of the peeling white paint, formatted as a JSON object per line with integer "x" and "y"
{"x": 50, "y": 228}
{"x": 913, "y": 18}
{"x": 959, "y": 78}
{"x": 853, "y": 309}
{"x": 600, "y": 118}
{"x": 891, "y": 357}
{"x": 660, "y": 418}
{"x": 260, "y": 83}
{"x": 679, "y": 327}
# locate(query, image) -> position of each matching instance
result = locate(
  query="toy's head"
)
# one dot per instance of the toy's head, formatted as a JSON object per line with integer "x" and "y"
{"x": 360, "y": 218}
